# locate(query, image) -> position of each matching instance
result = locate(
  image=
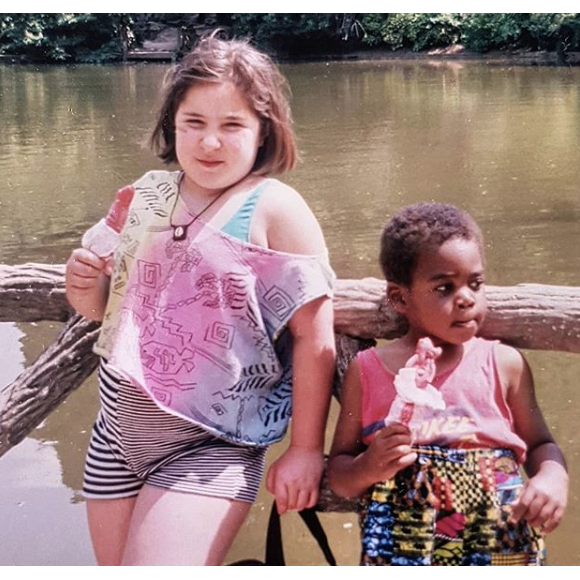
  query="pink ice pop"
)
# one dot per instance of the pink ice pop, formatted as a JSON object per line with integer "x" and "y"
{"x": 103, "y": 237}
{"x": 117, "y": 215}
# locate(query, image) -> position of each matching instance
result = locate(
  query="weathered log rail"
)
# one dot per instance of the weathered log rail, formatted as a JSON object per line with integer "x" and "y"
{"x": 33, "y": 292}
{"x": 530, "y": 316}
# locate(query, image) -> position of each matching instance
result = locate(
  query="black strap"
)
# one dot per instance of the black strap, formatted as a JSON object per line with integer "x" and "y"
{"x": 310, "y": 518}
{"x": 274, "y": 548}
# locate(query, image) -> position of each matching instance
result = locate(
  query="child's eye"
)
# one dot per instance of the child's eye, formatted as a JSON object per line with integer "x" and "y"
{"x": 477, "y": 284}
{"x": 233, "y": 125}
{"x": 444, "y": 289}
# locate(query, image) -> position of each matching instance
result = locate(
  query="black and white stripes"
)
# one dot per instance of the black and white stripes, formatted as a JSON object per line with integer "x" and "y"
{"x": 135, "y": 442}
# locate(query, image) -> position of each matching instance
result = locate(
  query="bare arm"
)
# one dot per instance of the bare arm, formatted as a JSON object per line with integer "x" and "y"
{"x": 87, "y": 285}
{"x": 313, "y": 365}
{"x": 353, "y": 468}
{"x": 294, "y": 478}
{"x": 545, "y": 495}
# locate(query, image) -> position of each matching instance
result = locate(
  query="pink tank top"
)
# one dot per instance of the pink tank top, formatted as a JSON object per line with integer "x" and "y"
{"x": 476, "y": 413}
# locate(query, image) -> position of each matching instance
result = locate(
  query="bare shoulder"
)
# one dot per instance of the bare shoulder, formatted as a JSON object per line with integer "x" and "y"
{"x": 277, "y": 193}
{"x": 509, "y": 358}
{"x": 511, "y": 366}
{"x": 288, "y": 221}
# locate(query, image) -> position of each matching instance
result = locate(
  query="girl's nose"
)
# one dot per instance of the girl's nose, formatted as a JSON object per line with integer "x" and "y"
{"x": 210, "y": 141}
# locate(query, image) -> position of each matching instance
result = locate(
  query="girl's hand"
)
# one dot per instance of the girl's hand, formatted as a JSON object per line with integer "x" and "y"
{"x": 294, "y": 478}
{"x": 389, "y": 452}
{"x": 83, "y": 270}
{"x": 543, "y": 499}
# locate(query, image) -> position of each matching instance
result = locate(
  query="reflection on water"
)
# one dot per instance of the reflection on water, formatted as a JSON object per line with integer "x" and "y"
{"x": 43, "y": 521}
{"x": 503, "y": 142}
{"x": 13, "y": 360}
{"x": 40, "y": 524}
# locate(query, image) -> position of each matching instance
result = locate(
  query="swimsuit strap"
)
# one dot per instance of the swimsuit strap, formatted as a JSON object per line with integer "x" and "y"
{"x": 238, "y": 226}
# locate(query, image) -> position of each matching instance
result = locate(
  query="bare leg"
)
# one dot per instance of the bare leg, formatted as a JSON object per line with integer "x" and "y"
{"x": 175, "y": 528}
{"x": 109, "y": 521}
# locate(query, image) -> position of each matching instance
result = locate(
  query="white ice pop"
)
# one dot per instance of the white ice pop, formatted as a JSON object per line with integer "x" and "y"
{"x": 413, "y": 384}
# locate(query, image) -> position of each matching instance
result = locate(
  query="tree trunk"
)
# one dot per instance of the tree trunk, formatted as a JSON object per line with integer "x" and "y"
{"x": 57, "y": 372}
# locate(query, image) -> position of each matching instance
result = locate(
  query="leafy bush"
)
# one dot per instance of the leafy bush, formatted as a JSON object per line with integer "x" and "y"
{"x": 50, "y": 37}
{"x": 62, "y": 37}
{"x": 555, "y": 31}
{"x": 415, "y": 31}
{"x": 484, "y": 31}
{"x": 537, "y": 31}
{"x": 371, "y": 28}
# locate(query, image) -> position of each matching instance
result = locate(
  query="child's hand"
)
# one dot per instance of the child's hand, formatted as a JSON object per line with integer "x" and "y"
{"x": 294, "y": 478}
{"x": 389, "y": 452}
{"x": 543, "y": 499}
{"x": 83, "y": 270}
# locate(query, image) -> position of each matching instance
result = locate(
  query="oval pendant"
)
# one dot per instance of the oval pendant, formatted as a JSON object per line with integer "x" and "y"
{"x": 179, "y": 233}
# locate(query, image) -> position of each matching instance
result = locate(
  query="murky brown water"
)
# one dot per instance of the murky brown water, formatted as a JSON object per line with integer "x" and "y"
{"x": 502, "y": 142}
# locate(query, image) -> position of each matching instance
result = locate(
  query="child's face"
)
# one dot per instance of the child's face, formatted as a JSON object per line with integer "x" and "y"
{"x": 217, "y": 137}
{"x": 446, "y": 299}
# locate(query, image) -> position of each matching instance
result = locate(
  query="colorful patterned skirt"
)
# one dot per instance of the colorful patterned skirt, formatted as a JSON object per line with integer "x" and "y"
{"x": 450, "y": 508}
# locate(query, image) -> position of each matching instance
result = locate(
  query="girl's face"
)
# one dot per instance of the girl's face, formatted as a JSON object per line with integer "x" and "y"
{"x": 217, "y": 137}
{"x": 446, "y": 298}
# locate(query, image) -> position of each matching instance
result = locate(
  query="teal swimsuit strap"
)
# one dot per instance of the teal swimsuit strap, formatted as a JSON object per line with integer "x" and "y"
{"x": 238, "y": 226}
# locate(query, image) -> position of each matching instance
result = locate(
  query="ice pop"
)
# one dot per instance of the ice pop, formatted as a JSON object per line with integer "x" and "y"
{"x": 413, "y": 384}
{"x": 103, "y": 237}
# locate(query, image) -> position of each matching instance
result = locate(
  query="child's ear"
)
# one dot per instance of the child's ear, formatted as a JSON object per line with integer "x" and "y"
{"x": 396, "y": 297}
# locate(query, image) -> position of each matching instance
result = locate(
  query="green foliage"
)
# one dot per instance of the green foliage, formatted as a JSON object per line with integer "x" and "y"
{"x": 537, "y": 31}
{"x": 300, "y": 33}
{"x": 263, "y": 26}
{"x": 50, "y": 37}
{"x": 484, "y": 31}
{"x": 371, "y": 23}
{"x": 480, "y": 32}
{"x": 415, "y": 31}
{"x": 547, "y": 30}
{"x": 62, "y": 37}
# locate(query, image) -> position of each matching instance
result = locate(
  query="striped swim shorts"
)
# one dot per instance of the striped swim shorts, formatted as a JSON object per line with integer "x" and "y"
{"x": 134, "y": 442}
